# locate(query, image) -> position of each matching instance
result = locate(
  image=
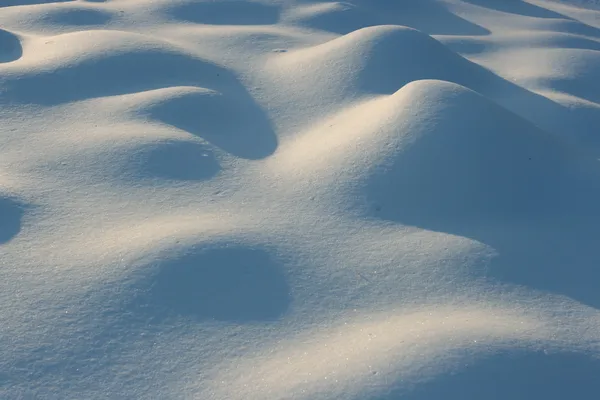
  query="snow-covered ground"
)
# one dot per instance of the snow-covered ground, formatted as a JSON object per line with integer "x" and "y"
{"x": 294, "y": 199}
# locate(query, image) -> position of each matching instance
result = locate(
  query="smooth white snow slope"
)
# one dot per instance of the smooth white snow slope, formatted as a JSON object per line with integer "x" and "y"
{"x": 294, "y": 199}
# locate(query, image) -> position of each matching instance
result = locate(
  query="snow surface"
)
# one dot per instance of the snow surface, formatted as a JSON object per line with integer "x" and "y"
{"x": 294, "y": 199}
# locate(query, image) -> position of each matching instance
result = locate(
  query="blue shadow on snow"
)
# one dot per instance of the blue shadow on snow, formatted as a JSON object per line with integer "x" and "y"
{"x": 11, "y": 214}
{"x": 230, "y": 283}
{"x": 514, "y": 376}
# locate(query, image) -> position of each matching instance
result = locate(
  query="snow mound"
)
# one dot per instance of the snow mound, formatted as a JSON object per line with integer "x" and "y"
{"x": 375, "y": 60}
{"x": 456, "y": 155}
{"x": 78, "y": 72}
{"x": 455, "y": 162}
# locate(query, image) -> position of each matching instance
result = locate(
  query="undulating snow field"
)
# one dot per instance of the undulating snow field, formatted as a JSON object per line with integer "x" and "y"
{"x": 293, "y": 199}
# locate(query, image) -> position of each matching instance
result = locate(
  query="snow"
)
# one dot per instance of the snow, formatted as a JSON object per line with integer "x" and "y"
{"x": 297, "y": 199}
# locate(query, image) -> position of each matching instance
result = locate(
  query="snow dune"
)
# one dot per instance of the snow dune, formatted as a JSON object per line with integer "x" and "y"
{"x": 268, "y": 199}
